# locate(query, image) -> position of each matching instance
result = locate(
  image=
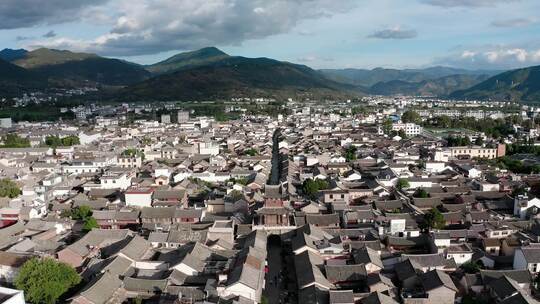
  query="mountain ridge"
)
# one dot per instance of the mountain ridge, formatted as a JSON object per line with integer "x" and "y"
{"x": 514, "y": 85}
{"x": 70, "y": 69}
{"x": 368, "y": 78}
{"x": 434, "y": 87}
{"x": 186, "y": 60}
{"x": 235, "y": 76}
{"x": 211, "y": 73}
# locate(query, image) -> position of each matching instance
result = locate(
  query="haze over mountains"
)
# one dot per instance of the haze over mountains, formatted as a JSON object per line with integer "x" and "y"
{"x": 209, "y": 73}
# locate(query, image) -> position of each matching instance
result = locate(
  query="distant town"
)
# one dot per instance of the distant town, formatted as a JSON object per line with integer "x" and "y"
{"x": 375, "y": 200}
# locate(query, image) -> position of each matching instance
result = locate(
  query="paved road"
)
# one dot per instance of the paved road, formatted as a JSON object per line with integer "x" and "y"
{"x": 273, "y": 288}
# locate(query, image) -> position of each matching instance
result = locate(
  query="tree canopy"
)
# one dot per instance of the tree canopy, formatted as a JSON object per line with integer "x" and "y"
{"x": 251, "y": 152}
{"x": 13, "y": 140}
{"x": 421, "y": 193}
{"x": 435, "y": 219}
{"x": 387, "y": 126}
{"x": 411, "y": 117}
{"x": 9, "y": 188}
{"x": 495, "y": 128}
{"x": 45, "y": 280}
{"x": 458, "y": 141}
{"x": 312, "y": 187}
{"x": 402, "y": 183}
{"x": 67, "y": 141}
{"x": 471, "y": 267}
{"x": 82, "y": 213}
{"x": 132, "y": 152}
{"x": 350, "y": 153}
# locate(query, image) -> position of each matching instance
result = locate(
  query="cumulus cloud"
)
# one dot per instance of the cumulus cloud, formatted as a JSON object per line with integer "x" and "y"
{"x": 27, "y": 13}
{"x": 466, "y": 3}
{"x": 314, "y": 58}
{"x": 150, "y": 26}
{"x": 517, "y": 22}
{"x": 49, "y": 34}
{"x": 394, "y": 33}
{"x": 494, "y": 58}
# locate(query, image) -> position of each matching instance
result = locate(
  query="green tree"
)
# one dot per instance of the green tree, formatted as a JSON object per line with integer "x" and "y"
{"x": 9, "y": 188}
{"x": 81, "y": 213}
{"x": 45, "y": 280}
{"x": 471, "y": 267}
{"x": 350, "y": 153}
{"x": 71, "y": 140}
{"x": 53, "y": 141}
{"x": 132, "y": 152}
{"x": 421, "y": 193}
{"x": 89, "y": 224}
{"x": 84, "y": 214}
{"x": 401, "y": 133}
{"x": 358, "y": 110}
{"x": 434, "y": 219}
{"x": 458, "y": 141}
{"x": 312, "y": 187}
{"x": 68, "y": 141}
{"x": 479, "y": 141}
{"x": 411, "y": 116}
{"x": 443, "y": 121}
{"x": 387, "y": 126}
{"x": 13, "y": 140}
{"x": 402, "y": 183}
{"x": 236, "y": 195}
{"x": 251, "y": 152}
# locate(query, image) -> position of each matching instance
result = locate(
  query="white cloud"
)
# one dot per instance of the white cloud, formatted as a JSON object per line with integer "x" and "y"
{"x": 151, "y": 26}
{"x": 314, "y": 58}
{"x": 494, "y": 58}
{"x": 394, "y": 33}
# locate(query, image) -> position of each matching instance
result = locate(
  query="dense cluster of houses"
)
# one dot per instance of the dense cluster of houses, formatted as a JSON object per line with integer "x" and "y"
{"x": 202, "y": 211}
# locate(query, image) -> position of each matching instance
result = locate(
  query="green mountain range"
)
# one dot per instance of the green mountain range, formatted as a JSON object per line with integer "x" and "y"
{"x": 232, "y": 76}
{"x": 368, "y": 78}
{"x": 516, "y": 85}
{"x": 209, "y": 73}
{"x": 11, "y": 54}
{"x": 432, "y": 87}
{"x": 187, "y": 60}
{"x": 15, "y": 80}
{"x": 68, "y": 69}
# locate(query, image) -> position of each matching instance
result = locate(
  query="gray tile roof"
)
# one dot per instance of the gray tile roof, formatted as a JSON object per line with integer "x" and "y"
{"x": 144, "y": 285}
{"x": 435, "y": 279}
{"x": 103, "y": 289}
{"x": 345, "y": 273}
{"x": 377, "y": 298}
{"x": 531, "y": 254}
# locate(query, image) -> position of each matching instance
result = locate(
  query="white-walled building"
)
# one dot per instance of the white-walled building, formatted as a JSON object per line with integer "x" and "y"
{"x": 410, "y": 129}
{"x": 139, "y": 197}
{"x": 524, "y": 206}
{"x": 527, "y": 258}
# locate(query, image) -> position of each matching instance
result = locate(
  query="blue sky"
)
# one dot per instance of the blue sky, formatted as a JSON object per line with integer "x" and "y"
{"x": 474, "y": 34}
